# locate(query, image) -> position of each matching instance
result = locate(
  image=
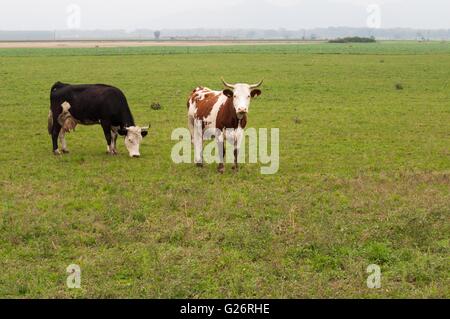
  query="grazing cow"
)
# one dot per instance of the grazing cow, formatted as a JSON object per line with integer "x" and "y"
{"x": 93, "y": 104}
{"x": 220, "y": 111}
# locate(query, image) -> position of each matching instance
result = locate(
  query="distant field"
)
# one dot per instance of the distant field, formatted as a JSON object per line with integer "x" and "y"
{"x": 384, "y": 47}
{"x": 364, "y": 177}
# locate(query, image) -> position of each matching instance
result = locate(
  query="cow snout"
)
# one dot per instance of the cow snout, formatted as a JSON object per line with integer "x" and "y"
{"x": 242, "y": 110}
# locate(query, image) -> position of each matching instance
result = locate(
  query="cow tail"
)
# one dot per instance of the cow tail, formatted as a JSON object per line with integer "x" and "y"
{"x": 50, "y": 122}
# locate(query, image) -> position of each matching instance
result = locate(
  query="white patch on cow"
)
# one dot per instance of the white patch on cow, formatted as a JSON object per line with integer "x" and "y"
{"x": 210, "y": 120}
{"x": 65, "y": 107}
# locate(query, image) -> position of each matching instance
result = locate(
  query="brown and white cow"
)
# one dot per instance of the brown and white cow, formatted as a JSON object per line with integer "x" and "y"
{"x": 220, "y": 111}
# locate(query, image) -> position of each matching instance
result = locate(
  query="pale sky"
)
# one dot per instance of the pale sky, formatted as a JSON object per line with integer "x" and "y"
{"x": 261, "y": 14}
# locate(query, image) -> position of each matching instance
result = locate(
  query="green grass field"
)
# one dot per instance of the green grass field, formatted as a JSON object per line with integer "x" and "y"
{"x": 364, "y": 177}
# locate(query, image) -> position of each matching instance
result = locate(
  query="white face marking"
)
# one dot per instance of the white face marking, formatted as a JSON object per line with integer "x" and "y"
{"x": 241, "y": 98}
{"x": 133, "y": 140}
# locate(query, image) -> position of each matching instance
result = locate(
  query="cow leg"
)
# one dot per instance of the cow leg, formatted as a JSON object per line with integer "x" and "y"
{"x": 62, "y": 140}
{"x": 221, "y": 139}
{"x": 198, "y": 142}
{"x": 239, "y": 134}
{"x": 114, "y": 135}
{"x": 191, "y": 127}
{"x": 56, "y": 129}
{"x": 107, "y": 131}
{"x": 236, "y": 154}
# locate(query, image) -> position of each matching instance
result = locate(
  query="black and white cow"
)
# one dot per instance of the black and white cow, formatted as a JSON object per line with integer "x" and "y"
{"x": 89, "y": 104}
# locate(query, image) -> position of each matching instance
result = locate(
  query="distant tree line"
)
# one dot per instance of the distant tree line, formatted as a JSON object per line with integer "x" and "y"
{"x": 353, "y": 40}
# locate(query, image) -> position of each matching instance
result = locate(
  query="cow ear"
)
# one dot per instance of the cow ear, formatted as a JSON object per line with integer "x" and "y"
{"x": 256, "y": 93}
{"x": 144, "y": 133}
{"x": 228, "y": 93}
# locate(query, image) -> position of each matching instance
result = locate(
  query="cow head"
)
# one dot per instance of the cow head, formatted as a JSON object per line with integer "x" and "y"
{"x": 133, "y": 139}
{"x": 241, "y": 94}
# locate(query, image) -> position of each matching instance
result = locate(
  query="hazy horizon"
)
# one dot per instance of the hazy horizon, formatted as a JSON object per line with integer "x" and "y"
{"x": 26, "y": 15}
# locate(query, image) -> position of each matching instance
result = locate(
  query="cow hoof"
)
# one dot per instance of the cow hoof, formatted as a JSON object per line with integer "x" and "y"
{"x": 235, "y": 168}
{"x": 199, "y": 165}
{"x": 56, "y": 152}
{"x": 221, "y": 169}
{"x": 65, "y": 151}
